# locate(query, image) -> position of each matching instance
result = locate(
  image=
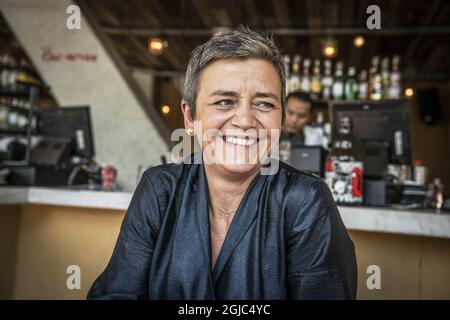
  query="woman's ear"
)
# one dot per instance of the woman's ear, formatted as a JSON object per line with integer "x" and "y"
{"x": 187, "y": 115}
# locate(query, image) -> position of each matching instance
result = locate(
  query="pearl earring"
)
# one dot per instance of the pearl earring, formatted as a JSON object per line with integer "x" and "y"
{"x": 190, "y": 131}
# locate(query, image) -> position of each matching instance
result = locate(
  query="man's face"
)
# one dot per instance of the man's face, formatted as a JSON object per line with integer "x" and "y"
{"x": 236, "y": 98}
{"x": 297, "y": 115}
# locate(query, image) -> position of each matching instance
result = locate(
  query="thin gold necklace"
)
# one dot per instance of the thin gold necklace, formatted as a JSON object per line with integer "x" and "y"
{"x": 223, "y": 212}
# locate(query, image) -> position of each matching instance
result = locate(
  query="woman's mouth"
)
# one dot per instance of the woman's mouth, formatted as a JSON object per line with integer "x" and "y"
{"x": 240, "y": 141}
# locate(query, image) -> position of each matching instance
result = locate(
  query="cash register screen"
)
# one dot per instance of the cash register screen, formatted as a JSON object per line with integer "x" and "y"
{"x": 69, "y": 122}
{"x": 384, "y": 121}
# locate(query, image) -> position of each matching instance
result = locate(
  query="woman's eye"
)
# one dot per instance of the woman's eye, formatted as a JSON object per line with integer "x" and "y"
{"x": 224, "y": 103}
{"x": 265, "y": 105}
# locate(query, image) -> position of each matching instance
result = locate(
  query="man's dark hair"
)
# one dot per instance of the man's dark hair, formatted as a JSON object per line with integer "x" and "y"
{"x": 300, "y": 95}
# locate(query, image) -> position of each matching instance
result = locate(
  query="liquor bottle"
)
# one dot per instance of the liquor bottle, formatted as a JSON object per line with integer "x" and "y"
{"x": 316, "y": 84}
{"x": 287, "y": 67}
{"x": 395, "y": 90}
{"x": 294, "y": 79}
{"x": 24, "y": 76}
{"x": 4, "y": 78}
{"x": 5, "y": 70}
{"x": 306, "y": 79}
{"x": 327, "y": 81}
{"x": 375, "y": 80}
{"x": 351, "y": 85}
{"x": 3, "y": 113}
{"x": 12, "y": 79}
{"x": 17, "y": 118}
{"x": 363, "y": 86}
{"x": 338, "y": 84}
{"x": 315, "y": 132}
{"x": 285, "y": 151}
{"x": 385, "y": 76}
{"x": 323, "y": 130}
{"x": 344, "y": 168}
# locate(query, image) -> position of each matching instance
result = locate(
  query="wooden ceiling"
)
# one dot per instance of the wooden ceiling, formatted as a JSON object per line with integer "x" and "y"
{"x": 417, "y": 30}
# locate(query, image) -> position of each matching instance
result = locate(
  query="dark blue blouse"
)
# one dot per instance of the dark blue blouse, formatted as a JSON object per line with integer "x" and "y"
{"x": 286, "y": 241}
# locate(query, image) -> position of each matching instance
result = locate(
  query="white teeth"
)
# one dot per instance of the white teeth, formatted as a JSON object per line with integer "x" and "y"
{"x": 240, "y": 141}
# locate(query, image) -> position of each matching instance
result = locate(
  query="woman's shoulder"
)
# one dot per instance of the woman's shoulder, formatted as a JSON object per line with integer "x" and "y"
{"x": 302, "y": 189}
{"x": 165, "y": 176}
{"x": 298, "y": 180}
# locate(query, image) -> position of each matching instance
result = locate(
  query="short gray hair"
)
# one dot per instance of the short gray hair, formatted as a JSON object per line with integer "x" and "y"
{"x": 241, "y": 43}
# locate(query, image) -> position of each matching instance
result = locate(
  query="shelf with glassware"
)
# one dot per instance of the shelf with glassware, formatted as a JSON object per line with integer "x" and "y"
{"x": 15, "y": 110}
{"x": 17, "y": 77}
{"x": 326, "y": 82}
{"x": 382, "y": 81}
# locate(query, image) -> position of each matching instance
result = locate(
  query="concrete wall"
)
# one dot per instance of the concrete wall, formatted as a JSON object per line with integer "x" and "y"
{"x": 124, "y": 135}
{"x": 144, "y": 79}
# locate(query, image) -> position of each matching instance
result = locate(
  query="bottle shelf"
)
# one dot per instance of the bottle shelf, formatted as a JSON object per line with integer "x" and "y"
{"x": 24, "y": 93}
{"x": 24, "y": 69}
{"x": 26, "y": 109}
{"x": 13, "y": 131}
{"x": 14, "y": 93}
{"x": 327, "y": 102}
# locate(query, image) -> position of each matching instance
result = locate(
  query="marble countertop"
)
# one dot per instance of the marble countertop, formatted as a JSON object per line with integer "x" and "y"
{"x": 408, "y": 222}
{"x": 65, "y": 197}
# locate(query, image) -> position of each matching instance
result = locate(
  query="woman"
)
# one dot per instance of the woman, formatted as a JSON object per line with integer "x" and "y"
{"x": 221, "y": 229}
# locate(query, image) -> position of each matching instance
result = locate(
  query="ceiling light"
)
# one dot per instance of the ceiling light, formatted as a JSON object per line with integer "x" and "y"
{"x": 329, "y": 48}
{"x": 409, "y": 92}
{"x": 358, "y": 41}
{"x": 156, "y": 46}
{"x": 165, "y": 109}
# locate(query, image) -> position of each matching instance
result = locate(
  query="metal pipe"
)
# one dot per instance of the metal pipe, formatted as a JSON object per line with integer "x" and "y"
{"x": 401, "y": 31}
{"x": 34, "y": 100}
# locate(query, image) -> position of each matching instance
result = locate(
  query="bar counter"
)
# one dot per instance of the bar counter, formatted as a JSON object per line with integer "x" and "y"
{"x": 410, "y": 222}
{"x": 44, "y": 230}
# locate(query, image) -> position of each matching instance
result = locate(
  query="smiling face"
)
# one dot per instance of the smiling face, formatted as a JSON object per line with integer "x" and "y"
{"x": 236, "y": 99}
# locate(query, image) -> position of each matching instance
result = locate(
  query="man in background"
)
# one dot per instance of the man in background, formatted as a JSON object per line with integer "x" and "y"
{"x": 298, "y": 115}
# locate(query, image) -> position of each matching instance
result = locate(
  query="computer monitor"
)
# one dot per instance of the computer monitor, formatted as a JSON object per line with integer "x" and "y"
{"x": 379, "y": 121}
{"x": 69, "y": 122}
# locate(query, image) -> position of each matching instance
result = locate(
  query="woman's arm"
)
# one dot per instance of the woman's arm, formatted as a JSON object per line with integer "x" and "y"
{"x": 126, "y": 275}
{"x": 321, "y": 256}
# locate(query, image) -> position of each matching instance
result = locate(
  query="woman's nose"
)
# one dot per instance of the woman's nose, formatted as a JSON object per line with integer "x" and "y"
{"x": 244, "y": 117}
